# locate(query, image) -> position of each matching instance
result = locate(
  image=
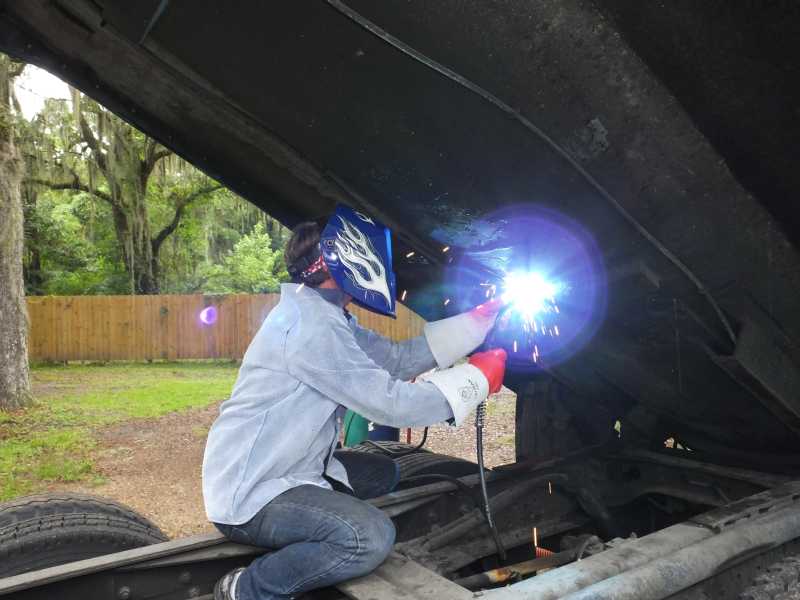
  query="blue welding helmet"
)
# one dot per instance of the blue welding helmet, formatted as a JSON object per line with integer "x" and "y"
{"x": 358, "y": 253}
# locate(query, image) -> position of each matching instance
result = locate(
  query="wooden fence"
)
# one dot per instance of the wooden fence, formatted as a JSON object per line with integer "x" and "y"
{"x": 66, "y": 328}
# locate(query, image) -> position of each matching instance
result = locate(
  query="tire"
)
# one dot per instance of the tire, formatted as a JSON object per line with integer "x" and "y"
{"x": 420, "y": 462}
{"x": 384, "y": 447}
{"x": 779, "y": 581}
{"x": 415, "y": 464}
{"x": 46, "y": 530}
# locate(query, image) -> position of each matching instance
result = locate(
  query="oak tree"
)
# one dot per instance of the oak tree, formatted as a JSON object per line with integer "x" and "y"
{"x": 15, "y": 390}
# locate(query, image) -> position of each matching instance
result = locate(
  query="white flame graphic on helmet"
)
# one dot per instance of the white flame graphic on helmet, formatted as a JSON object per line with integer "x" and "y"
{"x": 364, "y": 267}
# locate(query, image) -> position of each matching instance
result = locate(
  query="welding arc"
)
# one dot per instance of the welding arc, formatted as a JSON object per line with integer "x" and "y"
{"x": 492, "y": 99}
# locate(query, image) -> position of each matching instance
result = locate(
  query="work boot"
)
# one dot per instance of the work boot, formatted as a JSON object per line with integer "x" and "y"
{"x": 226, "y": 587}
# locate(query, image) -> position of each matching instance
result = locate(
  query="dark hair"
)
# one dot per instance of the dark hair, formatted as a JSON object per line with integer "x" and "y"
{"x": 301, "y": 251}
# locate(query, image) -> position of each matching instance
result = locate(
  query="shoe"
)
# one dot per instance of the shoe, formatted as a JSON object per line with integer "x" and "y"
{"x": 226, "y": 587}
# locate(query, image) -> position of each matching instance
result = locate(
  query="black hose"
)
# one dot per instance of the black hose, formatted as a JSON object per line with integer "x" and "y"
{"x": 384, "y": 35}
{"x": 480, "y": 413}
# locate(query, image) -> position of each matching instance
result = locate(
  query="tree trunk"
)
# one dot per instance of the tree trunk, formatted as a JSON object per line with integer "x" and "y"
{"x": 126, "y": 161}
{"x": 32, "y": 261}
{"x": 133, "y": 235}
{"x": 128, "y": 185}
{"x": 14, "y": 373}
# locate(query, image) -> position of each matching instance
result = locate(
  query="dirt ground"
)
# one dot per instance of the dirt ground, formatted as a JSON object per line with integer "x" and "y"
{"x": 154, "y": 465}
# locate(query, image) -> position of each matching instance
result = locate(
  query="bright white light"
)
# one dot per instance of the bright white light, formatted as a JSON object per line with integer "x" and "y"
{"x": 528, "y": 293}
{"x": 34, "y": 86}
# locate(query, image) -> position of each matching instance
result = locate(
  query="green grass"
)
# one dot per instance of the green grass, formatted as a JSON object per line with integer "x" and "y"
{"x": 53, "y": 440}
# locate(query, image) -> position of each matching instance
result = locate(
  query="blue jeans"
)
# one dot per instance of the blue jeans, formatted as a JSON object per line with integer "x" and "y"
{"x": 320, "y": 536}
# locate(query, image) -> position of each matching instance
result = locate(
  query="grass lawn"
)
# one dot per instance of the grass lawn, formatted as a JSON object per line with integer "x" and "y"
{"x": 53, "y": 440}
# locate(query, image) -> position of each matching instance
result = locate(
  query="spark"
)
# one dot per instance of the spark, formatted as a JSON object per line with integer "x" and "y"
{"x": 488, "y": 292}
{"x": 446, "y": 301}
{"x": 446, "y": 248}
{"x": 535, "y": 357}
{"x": 535, "y": 537}
{"x": 555, "y": 328}
{"x": 403, "y": 295}
{"x": 555, "y": 308}
{"x": 549, "y": 487}
{"x": 515, "y": 345}
{"x": 410, "y": 254}
{"x": 300, "y": 287}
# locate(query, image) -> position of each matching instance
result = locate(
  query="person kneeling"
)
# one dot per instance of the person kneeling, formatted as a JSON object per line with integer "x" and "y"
{"x": 272, "y": 476}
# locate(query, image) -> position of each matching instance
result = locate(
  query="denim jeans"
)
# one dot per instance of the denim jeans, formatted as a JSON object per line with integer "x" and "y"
{"x": 320, "y": 537}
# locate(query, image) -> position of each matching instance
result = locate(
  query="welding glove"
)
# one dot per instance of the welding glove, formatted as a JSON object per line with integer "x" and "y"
{"x": 466, "y": 386}
{"x": 453, "y": 338}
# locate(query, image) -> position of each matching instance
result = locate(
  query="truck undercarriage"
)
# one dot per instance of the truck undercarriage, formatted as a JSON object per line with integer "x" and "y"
{"x": 666, "y": 131}
{"x": 623, "y": 523}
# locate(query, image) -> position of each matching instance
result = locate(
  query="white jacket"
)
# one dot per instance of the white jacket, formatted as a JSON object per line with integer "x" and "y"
{"x": 308, "y": 362}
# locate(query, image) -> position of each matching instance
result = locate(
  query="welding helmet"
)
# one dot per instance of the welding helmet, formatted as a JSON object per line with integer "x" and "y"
{"x": 357, "y": 250}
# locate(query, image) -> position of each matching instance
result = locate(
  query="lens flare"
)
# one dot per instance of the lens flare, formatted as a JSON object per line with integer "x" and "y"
{"x": 548, "y": 270}
{"x": 208, "y": 316}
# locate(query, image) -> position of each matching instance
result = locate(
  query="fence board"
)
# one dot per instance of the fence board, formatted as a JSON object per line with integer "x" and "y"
{"x": 64, "y": 328}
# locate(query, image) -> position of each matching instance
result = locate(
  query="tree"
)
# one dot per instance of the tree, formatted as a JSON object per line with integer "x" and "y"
{"x": 94, "y": 144}
{"x": 76, "y": 241}
{"x": 15, "y": 390}
{"x": 252, "y": 267}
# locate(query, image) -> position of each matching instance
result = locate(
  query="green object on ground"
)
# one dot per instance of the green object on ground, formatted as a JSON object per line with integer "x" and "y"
{"x": 356, "y": 429}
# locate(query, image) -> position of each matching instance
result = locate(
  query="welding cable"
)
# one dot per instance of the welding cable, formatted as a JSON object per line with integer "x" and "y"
{"x": 480, "y": 414}
{"x": 377, "y": 31}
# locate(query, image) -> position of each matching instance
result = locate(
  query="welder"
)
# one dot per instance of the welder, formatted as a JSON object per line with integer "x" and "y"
{"x": 272, "y": 476}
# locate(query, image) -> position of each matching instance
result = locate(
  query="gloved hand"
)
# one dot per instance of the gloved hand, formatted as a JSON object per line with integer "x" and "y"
{"x": 465, "y": 386}
{"x": 453, "y": 338}
{"x": 492, "y": 364}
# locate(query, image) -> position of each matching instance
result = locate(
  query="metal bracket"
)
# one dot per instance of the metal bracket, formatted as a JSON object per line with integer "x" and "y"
{"x": 754, "y": 506}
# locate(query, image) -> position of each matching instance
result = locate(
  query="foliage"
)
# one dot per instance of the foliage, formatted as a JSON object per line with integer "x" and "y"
{"x": 55, "y": 439}
{"x": 82, "y": 216}
{"x": 70, "y": 259}
{"x": 253, "y": 266}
